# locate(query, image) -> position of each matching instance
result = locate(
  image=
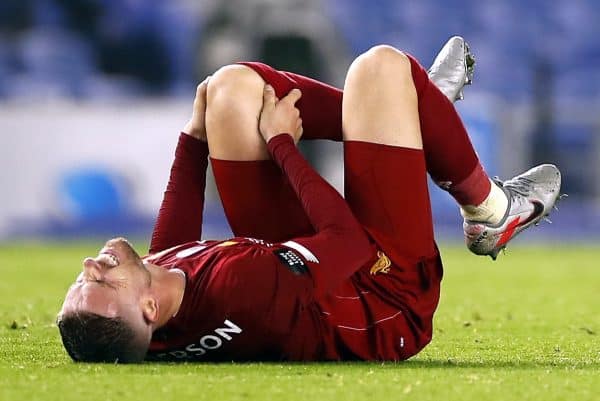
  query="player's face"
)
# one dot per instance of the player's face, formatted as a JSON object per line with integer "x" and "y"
{"x": 111, "y": 284}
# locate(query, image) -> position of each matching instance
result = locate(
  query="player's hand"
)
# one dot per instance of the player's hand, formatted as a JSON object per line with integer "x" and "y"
{"x": 196, "y": 127}
{"x": 280, "y": 116}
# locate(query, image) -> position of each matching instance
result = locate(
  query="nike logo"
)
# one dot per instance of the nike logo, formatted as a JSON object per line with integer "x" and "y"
{"x": 538, "y": 209}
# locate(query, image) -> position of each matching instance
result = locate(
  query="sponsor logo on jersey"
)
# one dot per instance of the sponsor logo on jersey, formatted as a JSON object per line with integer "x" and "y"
{"x": 206, "y": 343}
{"x": 291, "y": 260}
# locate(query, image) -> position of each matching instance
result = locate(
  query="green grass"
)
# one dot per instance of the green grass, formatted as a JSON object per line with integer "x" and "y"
{"x": 525, "y": 327}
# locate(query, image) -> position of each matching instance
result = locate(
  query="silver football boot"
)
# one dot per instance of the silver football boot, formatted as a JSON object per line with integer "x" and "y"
{"x": 531, "y": 197}
{"x": 453, "y": 68}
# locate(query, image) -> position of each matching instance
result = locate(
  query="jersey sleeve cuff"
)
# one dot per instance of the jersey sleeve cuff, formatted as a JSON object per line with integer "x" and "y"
{"x": 283, "y": 139}
{"x": 191, "y": 146}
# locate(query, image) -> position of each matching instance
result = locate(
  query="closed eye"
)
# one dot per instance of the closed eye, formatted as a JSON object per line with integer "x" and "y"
{"x": 104, "y": 284}
{"x": 83, "y": 281}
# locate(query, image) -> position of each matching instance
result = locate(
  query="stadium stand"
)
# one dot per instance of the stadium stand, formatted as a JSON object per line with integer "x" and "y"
{"x": 537, "y": 60}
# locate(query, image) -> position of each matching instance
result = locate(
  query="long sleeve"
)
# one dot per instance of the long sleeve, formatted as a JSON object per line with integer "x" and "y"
{"x": 340, "y": 244}
{"x": 180, "y": 216}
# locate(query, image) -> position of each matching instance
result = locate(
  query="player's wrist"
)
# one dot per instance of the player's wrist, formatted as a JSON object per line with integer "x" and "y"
{"x": 191, "y": 130}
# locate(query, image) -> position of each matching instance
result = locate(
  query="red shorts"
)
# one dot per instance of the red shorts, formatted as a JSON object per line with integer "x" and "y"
{"x": 381, "y": 313}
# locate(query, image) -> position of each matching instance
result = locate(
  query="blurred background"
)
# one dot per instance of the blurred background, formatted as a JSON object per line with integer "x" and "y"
{"x": 93, "y": 94}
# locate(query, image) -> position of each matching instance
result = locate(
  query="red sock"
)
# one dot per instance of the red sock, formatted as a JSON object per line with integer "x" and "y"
{"x": 451, "y": 159}
{"x": 449, "y": 154}
{"x": 320, "y": 106}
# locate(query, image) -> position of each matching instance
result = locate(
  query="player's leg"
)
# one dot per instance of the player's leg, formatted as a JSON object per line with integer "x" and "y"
{"x": 321, "y": 104}
{"x": 386, "y": 177}
{"x": 386, "y": 187}
{"x": 320, "y": 108}
{"x": 257, "y": 199}
{"x": 494, "y": 212}
{"x": 451, "y": 159}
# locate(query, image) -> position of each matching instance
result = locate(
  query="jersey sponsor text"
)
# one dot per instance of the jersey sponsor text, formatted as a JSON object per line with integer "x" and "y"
{"x": 206, "y": 343}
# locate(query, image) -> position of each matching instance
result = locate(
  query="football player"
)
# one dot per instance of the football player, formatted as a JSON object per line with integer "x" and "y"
{"x": 309, "y": 275}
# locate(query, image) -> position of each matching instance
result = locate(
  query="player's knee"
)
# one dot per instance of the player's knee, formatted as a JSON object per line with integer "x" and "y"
{"x": 234, "y": 100}
{"x": 233, "y": 83}
{"x": 385, "y": 54}
{"x": 381, "y": 61}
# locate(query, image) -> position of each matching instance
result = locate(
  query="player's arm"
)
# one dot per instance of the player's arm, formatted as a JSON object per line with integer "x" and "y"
{"x": 340, "y": 244}
{"x": 180, "y": 216}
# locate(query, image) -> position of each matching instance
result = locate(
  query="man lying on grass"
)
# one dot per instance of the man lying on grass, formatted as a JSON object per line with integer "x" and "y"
{"x": 309, "y": 275}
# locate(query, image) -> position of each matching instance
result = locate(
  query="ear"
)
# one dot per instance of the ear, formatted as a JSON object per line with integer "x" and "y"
{"x": 150, "y": 309}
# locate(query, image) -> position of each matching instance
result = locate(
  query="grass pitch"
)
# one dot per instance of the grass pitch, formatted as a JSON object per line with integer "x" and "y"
{"x": 525, "y": 327}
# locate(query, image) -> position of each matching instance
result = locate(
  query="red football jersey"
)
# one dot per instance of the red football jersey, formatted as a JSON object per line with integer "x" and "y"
{"x": 320, "y": 297}
{"x": 244, "y": 300}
